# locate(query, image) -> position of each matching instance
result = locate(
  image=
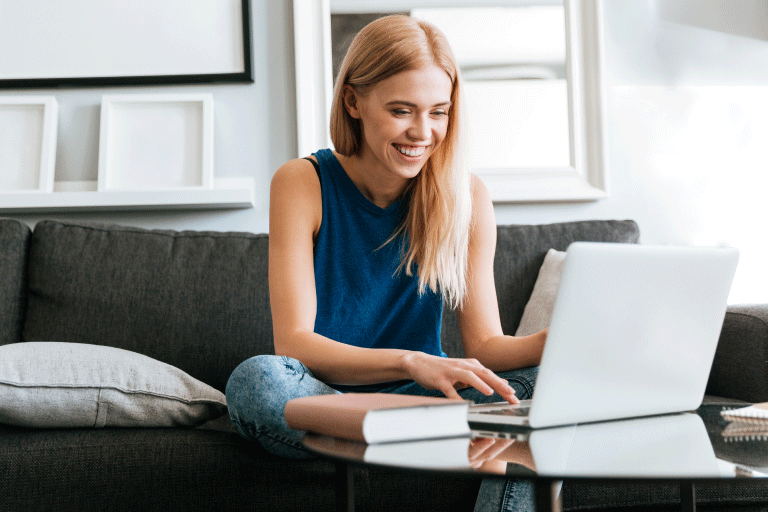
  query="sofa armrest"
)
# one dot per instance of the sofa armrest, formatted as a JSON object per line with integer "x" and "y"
{"x": 740, "y": 369}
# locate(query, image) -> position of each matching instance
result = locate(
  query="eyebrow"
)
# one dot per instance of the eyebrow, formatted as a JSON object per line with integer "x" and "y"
{"x": 413, "y": 105}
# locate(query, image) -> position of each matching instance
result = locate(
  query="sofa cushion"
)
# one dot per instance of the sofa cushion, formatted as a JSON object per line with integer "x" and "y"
{"x": 537, "y": 314}
{"x": 520, "y": 251}
{"x": 50, "y": 385}
{"x": 14, "y": 237}
{"x": 198, "y": 301}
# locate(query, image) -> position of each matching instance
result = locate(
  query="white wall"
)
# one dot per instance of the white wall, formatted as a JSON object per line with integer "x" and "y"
{"x": 254, "y": 130}
{"x": 685, "y": 111}
{"x": 687, "y": 120}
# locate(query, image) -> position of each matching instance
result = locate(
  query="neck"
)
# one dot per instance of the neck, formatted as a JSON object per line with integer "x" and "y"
{"x": 373, "y": 183}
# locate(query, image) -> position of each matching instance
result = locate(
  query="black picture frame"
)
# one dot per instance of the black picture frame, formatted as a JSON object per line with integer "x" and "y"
{"x": 246, "y": 75}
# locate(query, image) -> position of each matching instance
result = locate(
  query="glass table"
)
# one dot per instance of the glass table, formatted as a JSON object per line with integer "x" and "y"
{"x": 683, "y": 448}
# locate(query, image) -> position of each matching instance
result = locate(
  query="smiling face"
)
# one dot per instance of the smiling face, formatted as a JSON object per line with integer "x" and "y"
{"x": 404, "y": 118}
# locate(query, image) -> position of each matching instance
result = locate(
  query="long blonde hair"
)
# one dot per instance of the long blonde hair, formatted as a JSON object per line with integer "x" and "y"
{"x": 440, "y": 211}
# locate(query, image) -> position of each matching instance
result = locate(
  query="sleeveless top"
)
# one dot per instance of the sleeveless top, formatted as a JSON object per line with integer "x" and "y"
{"x": 362, "y": 299}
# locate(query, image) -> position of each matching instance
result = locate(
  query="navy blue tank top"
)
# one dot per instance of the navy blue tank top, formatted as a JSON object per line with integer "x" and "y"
{"x": 362, "y": 299}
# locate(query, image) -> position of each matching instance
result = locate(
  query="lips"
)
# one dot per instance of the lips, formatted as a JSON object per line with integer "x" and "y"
{"x": 412, "y": 151}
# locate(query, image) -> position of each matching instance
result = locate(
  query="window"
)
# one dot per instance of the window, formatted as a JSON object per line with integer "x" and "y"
{"x": 531, "y": 71}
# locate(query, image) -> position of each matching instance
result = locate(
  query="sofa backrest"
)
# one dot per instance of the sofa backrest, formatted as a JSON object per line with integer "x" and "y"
{"x": 200, "y": 300}
{"x": 196, "y": 300}
{"x": 520, "y": 251}
{"x": 14, "y": 239}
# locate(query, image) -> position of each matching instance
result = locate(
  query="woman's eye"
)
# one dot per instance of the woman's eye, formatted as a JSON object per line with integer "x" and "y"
{"x": 400, "y": 112}
{"x": 440, "y": 113}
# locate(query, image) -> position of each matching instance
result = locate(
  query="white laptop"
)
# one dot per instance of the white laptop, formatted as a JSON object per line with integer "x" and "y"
{"x": 633, "y": 333}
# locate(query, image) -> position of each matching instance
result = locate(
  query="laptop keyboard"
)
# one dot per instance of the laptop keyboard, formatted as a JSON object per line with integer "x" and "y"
{"x": 517, "y": 410}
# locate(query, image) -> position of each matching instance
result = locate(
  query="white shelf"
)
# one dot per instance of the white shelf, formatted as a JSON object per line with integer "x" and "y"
{"x": 226, "y": 193}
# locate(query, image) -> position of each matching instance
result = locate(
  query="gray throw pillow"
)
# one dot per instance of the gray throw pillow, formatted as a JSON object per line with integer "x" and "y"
{"x": 538, "y": 311}
{"x": 54, "y": 384}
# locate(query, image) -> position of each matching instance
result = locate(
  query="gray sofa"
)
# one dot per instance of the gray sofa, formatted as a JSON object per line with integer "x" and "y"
{"x": 199, "y": 301}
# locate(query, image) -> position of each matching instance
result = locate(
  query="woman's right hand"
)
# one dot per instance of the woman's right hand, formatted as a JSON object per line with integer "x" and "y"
{"x": 449, "y": 374}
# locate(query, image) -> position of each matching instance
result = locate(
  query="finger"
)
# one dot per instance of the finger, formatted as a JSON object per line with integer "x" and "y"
{"x": 490, "y": 449}
{"x": 507, "y": 392}
{"x": 450, "y": 392}
{"x": 487, "y": 382}
{"x": 502, "y": 387}
{"x": 478, "y": 447}
{"x": 481, "y": 452}
{"x": 470, "y": 378}
{"x": 492, "y": 382}
{"x": 496, "y": 448}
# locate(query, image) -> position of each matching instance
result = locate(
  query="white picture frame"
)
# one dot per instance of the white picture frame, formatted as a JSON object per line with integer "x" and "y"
{"x": 585, "y": 179}
{"x": 28, "y": 134}
{"x": 156, "y": 142}
{"x": 139, "y": 42}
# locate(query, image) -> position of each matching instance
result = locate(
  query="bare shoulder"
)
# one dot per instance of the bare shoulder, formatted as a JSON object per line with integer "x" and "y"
{"x": 296, "y": 172}
{"x": 483, "y": 217}
{"x": 480, "y": 191}
{"x": 295, "y": 191}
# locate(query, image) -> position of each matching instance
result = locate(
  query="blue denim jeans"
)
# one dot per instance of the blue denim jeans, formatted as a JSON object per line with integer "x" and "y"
{"x": 260, "y": 387}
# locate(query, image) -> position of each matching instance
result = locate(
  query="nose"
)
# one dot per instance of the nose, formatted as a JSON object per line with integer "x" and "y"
{"x": 420, "y": 129}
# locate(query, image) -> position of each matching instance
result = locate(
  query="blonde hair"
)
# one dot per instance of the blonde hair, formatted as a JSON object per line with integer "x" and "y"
{"x": 440, "y": 211}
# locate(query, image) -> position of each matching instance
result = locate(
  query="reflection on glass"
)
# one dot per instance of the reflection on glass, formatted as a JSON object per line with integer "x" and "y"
{"x": 447, "y": 454}
{"x": 669, "y": 446}
{"x": 662, "y": 446}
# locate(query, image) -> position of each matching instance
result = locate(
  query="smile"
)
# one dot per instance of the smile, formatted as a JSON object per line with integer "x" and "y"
{"x": 412, "y": 151}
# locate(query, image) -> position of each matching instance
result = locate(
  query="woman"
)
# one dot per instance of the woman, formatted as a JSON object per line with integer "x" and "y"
{"x": 388, "y": 227}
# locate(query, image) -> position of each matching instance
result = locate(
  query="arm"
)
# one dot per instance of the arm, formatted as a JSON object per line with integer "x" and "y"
{"x": 295, "y": 217}
{"x": 479, "y": 320}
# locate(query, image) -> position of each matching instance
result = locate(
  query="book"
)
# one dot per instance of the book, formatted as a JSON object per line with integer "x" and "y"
{"x": 447, "y": 453}
{"x": 755, "y": 413}
{"x": 379, "y": 417}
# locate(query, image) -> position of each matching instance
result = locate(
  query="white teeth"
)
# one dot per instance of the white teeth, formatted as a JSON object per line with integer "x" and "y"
{"x": 411, "y": 152}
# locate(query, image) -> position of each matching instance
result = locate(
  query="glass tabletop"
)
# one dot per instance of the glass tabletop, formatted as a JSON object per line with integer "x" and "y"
{"x": 693, "y": 445}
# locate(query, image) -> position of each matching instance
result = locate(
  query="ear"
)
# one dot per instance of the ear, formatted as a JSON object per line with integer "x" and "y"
{"x": 350, "y": 101}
